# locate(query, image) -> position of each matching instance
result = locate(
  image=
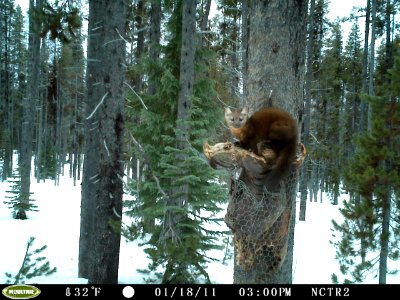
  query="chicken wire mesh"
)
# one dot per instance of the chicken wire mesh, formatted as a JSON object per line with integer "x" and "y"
{"x": 259, "y": 220}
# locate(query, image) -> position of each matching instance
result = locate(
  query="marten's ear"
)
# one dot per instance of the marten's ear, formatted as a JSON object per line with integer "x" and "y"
{"x": 228, "y": 111}
{"x": 245, "y": 110}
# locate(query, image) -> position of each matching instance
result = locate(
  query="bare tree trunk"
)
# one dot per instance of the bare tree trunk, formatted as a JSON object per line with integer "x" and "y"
{"x": 365, "y": 73}
{"x": 276, "y": 58}
{"x": 155, "y": 35}
{"x": 204, "y": 17}
{"x": 385, "y": 233}
{"x": 28, "y": 108}
{"x": 180, "y": 197}
{"x": 387, "y": 199}
{"x": 371, "y": 89}
{"x": 102, "y": 188}
{"x": 5, "y": 89}
{"x": 140, "y": 11}
{"x": 307, "y": 113}
{"x": 245, "y": 43}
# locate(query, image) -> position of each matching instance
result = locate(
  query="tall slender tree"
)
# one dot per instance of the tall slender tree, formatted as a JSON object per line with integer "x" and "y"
{"x": 332, "y": 84}
{"x": 306, "y": 115}
{"x": 28, "y": 107}
{"x": 276, "y": 62}
{"x": 179, "y": 191}
{"x": 102, "y": 188}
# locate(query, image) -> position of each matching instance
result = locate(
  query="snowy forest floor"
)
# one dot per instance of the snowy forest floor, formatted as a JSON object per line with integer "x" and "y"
{"x": 56, "y": 225}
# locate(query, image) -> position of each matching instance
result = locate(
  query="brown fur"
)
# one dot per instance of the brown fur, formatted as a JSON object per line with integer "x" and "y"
{"x": 271, "y": 126}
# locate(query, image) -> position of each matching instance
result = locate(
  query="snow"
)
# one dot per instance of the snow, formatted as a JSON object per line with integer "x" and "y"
{"x": 56, "y": 225}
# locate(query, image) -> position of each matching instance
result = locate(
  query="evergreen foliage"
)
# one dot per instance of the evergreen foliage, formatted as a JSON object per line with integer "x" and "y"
{"x": 367, "y": 169}
{"x": 183, "y": 260}
{"x": 60, "y": 21}
{"x": 33, "y": 265}
{"x": 18, "y": 207}
{"x": 374, "y": 174}
{"x": 332, "y": 97}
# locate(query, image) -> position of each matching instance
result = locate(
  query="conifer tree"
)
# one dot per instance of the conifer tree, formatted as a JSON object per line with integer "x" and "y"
{"x": 352, "y": 80}
{"x": 332, "y": 98}
{"x": 182, "y": 258}
{"x": 316, "y": 148}
{"x": 32, "y": 266}
{"x": 228, "y": 45}
{"x": 28, "y": 106}
{"x": 14, "y": 194}
{"x": 374, "y": 174}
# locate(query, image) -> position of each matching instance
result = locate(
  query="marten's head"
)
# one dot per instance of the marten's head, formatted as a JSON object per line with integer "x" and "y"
{"x": 236, "y": 118}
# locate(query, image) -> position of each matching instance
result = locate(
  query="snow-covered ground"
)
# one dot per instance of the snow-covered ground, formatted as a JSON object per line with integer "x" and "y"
{"x": 57, "y": 226}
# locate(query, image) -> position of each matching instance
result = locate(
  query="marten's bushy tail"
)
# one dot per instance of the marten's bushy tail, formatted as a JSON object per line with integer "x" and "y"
{"x": 283, "y": 166}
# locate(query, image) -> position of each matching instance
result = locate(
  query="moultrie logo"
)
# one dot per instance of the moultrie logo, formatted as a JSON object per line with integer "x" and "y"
{"x": 21, "y": 291}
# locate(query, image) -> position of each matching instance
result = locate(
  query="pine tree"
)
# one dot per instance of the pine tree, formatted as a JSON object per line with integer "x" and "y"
{"x": 7, "y": 11}
{"x": 332, "y": 98}
{"x": 352, "y": 80}
{"x": 14, "y": 202}
{"x": 183, "y": 259}
{"x": 32, "y": 266}
{"x": 28, "y": 105}
{"x": 316, "y": 148}
{"x": 102, "y": 186}
{"x": 19, "y": 61}
{"x": 228, "y": 46}
{"x": 374, "y": 174}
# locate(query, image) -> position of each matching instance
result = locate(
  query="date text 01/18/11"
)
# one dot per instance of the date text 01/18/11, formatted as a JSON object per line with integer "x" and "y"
{"x": 184, "y": 292}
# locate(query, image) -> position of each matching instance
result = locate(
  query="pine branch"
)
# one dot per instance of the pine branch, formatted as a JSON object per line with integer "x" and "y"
{"x": 25, "y": 260}
{"x": 136, "y": 94}
{"x": 97, "y": 106}
{"x": 160, "y": 189}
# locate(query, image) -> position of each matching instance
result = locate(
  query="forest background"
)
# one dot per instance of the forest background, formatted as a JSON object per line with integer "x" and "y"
{"x": 349, "y": 120}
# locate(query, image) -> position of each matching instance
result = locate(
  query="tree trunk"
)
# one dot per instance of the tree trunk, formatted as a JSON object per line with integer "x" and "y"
{"x": 307, "y": 113}
{"x": 258, "y": 219}
{"x": 180, "y": 197}
{"x": 102, "y": 188}
{"x": 371, "y": 89}
{"x": 245, "y": 47}
{"x": 386, "y": 198}
{"x": 205, "y": 14}
{"x": 155, "y": 35}
{"x": 385, "y": 233}
{"x": 276, "y": 58}
{"x": 28, "y": 107}
{"x": 140, "y": 12}
{"x": 363, "y": 105}
{"x": 5, "y": 88}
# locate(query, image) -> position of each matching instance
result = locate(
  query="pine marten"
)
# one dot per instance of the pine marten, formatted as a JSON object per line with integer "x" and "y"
{"x": 272, "y": 126}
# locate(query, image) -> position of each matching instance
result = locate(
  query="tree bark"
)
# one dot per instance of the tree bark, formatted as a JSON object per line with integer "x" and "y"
{"x": 5, "y": 88}
{"x": 386, "y": 197}
{"x": 140, "y": 12}
{"x": 28, "y": 108}
{"x": 258, "y": 219}
{"x": 307, "y": 112}
{"x": 155, "y": 35}
{"x": 102, "y": 187}
{"x": 180, "y": 191}
{"x": 371, "y": 88}
{"x": 205, "y": 14}
{"x": 275, "y": 63}
{"x": 245, "y": 43}
{"x": 363, "y": 105}
{"x": 186, "y": 83}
